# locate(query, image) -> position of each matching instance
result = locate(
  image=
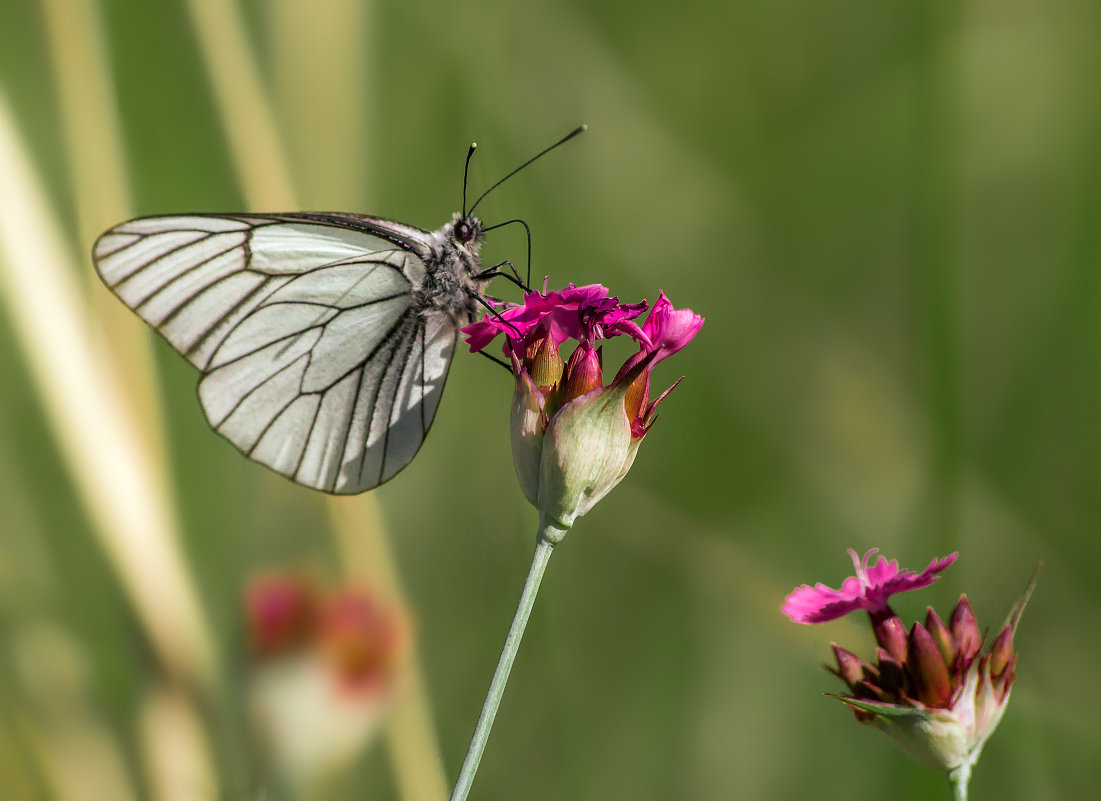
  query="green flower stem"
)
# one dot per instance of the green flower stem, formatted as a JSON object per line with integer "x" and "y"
{"x": 549, "y": 536}
{"x": 958, "y": 780}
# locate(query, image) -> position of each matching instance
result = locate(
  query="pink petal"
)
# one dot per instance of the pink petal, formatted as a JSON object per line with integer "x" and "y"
{"x": 870, "y": 589}
{"x": 906, "y": 580}
{"x": 572, "y": 294}
{"x": 819, "y": 604}
{"x": 583, "y": 314}
{"x": 481, "y": 333}
{"x": 670, "y": 329}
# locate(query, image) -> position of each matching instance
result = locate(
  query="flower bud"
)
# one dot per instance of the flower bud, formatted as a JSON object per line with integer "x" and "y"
{"x": 526, "y": 432}
{"x": 587, "y": 450}
{"x": 545, "y": 363}
{"x": 892, "y": 676}
{"x": 941, "y": 636}
{"x": 933, "y": 737}
{"x": 890, "y": 633}
{"x": 850, "y": 667}
{"x": 582, "y": 373}
{"x": 965, "y": 630}
{"x": 1003, "y": 682}
{"x": 932, "y": 684}
{"x": 1001, "y": 652}
{"x": 638, "y": 393}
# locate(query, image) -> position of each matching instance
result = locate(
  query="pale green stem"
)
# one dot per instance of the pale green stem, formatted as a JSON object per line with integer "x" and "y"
{"x": 549, "y": 535}
{"x": 958, "y": 780}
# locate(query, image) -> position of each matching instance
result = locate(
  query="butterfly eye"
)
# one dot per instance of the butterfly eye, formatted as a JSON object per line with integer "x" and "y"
{"x": 464, "y": 232}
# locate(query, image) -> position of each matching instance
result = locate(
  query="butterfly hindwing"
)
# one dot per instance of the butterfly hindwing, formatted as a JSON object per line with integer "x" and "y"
{"x": 411, "y": 390}
{"x": 315, "y": 362}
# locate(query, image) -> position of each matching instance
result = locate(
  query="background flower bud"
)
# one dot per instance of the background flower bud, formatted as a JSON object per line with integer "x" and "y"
{"x": 931, "y": 689}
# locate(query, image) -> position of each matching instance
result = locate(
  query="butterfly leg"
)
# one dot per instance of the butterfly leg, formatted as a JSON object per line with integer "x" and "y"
{"x": 496, "y": 272}
{"x": 527, "y": 231}
{"x": 493, "y": 358}
{"x": 497, "y": 314}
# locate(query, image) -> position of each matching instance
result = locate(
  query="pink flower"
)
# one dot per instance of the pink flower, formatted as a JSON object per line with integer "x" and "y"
{"x": 670, "y": 329}
{"x": 869, "y": 589}
{"x": 324, "y": 673}
{"x": 930, "y": 687}
{"x": 665, "y": 331}
{"x": 581, "y": 313}
{"x": 361, "y": 638}
{"x": 358, "y": 638}
{"x": 281, "y": 611}
{"x": 573, "y": 437}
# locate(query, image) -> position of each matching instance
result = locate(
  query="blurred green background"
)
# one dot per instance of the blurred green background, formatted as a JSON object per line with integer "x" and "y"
{"x": 890, "y": 214}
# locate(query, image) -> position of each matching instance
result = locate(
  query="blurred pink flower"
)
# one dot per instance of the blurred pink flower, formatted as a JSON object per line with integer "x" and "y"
{"x": 324, "y": 672}
{"x": 869, "y": 589}
{"x": 281, "y": 613}
{"x": 361, "y": 639}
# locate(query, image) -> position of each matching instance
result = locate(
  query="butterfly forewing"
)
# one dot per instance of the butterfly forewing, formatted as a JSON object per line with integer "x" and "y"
{"x": 315, "y": 361}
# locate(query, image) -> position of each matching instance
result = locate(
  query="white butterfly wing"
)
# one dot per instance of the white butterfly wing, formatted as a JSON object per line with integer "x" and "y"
{"x": 314, "y": 361}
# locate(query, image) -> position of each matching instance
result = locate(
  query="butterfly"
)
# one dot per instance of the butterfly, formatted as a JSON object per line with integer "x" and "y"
{"x": 324, "y": 338}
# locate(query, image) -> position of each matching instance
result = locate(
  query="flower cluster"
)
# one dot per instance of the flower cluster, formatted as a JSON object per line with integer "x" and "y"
{"x": 324, "y": 670}
{"x": 349, "y": 630}
{"x": 573, "y": 438}
{"x": 931, "y": 687}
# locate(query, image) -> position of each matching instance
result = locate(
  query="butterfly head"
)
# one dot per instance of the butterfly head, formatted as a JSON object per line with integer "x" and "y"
{"x": 465, "y": 231}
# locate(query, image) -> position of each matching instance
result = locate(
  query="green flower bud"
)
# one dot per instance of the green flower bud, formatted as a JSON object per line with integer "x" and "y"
{"x": 526, "y": 432}
{"x": 587, "y": 450}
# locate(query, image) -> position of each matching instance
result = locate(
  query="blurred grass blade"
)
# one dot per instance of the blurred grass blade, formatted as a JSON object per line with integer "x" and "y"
{"x": 16, "y": 765}
{"x": 246, "y": 113}
{"x": 178, "y": 766}
{"x": 410, "y": 736}
{"x": 89, "y": 114}
{"x": 86, "y": 407}
{"x": 74, "y": 748}
{"x": 100, "y": 187}
{"x": 321, "y": 84}
{"x": 76, "y": 757}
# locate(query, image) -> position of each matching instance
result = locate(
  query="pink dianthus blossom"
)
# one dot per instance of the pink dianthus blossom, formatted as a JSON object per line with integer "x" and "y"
{"x": 930, "y": 686}
{"x": 573, "y": 437}
{"x": 581, "y": 313}
{"x": 665, "y": 331}
{"x": 869, "y": 589}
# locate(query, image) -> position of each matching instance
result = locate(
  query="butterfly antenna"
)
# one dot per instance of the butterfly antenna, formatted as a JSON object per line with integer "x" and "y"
{"x": 540, "y": 154}
{"x": 466, "y": 171}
